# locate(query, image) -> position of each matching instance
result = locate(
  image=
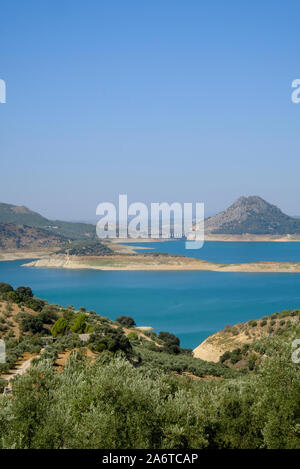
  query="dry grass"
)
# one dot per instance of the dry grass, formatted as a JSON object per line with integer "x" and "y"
{"x": 11, "y": 317}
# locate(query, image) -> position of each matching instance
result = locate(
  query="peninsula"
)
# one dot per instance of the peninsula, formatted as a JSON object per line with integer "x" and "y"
{"x": 155, "y": 262}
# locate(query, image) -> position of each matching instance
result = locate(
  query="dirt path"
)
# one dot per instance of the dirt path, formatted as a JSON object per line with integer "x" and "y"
{"x": 21, "y": 367}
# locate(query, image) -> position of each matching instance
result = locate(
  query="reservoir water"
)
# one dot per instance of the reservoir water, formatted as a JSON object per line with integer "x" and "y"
{"x": 192, "y": 305}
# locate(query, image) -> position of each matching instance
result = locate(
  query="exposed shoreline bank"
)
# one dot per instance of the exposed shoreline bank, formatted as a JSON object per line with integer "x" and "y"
{"x": 247, "y": 237}
{"x": 158, "y": 263}
{"x": 22, "y": 255}
{"x": 123, "y": 245}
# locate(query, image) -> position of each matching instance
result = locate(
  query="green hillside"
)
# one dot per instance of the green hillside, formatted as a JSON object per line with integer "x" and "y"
{"x": 20, "y": 215}
{"x": 94, "y": 383}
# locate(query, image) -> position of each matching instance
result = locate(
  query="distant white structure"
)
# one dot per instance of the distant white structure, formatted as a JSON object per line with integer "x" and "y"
{"x": 84, "y": 337}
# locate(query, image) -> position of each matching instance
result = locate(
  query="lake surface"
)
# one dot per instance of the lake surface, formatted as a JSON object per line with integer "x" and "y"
{"x": 192, "y": 305}
{"x": 231, "y": 252}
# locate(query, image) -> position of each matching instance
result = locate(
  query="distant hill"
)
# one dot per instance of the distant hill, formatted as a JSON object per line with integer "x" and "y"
{"x": 20, "y": 215}
{"x": 252, "y": 215}
{"x": 27, "y": 238}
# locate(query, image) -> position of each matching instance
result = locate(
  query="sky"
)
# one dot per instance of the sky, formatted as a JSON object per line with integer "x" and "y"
{"x": 162, "y": 100}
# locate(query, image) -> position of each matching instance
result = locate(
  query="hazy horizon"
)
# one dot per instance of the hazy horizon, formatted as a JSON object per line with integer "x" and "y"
{"x": 158, "y": 100}
{"x": 93, "y": 220}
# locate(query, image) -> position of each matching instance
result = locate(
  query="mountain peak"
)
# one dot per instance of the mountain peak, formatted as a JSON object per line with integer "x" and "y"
{"x": 253, "y": 203}
{"x": 252, "y": 215}
{"x": 250, "y": 198}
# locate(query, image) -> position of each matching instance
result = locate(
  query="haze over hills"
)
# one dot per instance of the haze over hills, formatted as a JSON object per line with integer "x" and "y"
{"x": 22, "y": 227}
{"x": 252, "y": 215}
{"x": 20, "y": 215}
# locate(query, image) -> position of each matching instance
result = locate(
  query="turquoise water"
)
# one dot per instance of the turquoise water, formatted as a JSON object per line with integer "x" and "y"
{"x": 229, "y": 252}
{"x": 192, "y": 305}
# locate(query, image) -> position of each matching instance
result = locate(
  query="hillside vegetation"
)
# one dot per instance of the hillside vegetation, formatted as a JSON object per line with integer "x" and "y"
{"x": 98, "y": 383}
{"x": 86, "y": 248}
{"x": 25, "y": 237}
{"x": 241, "y": 335}
{"x": 20, "y": 215}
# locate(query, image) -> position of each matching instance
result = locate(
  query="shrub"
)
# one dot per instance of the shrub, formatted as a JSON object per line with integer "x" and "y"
{"x": 3, "y": 384}
{"x": 25, "y": 292}
{"x": 69, "y": 315}
{"x": 113, "y": 340}
{"x": 169, "y": 338}
{"x": 126, "y": 321}
{"x": 5, "y": 287}
{"x": 31, "y": 324}
{"x": 133, "y": 335}
{"x": 51, "y": 311}
{"x": 252, "y": 323}
{"x": 225, "y": 356}
{"x": 79, "y": 325}
{"x": 13, "y": 297}
{"x": 171, "y": 342}
{"x": 245, "y": 348}
{"x": 60, "y": 327}
{"x": 45, "y": 317}
{"x": 20, "y": 316}
{"x": 235, "y": 356}
{"x": 251, "y": 361}
{"x": 35, "y": 303}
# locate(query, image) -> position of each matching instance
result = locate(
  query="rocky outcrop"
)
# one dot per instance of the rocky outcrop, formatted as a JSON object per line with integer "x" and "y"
{"x": 252, "y": 215}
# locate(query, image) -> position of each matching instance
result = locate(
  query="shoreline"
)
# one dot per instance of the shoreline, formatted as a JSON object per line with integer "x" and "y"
{"x": 158, "y": 263}
{"x": 209, "y": 237}
{"x": 20, "y": 255}
{"x": 251, "y": 238}
{"x": 120, "y": 245}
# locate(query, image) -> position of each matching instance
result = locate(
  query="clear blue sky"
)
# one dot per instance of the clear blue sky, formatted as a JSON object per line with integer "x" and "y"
{"x": 164, "y": 100}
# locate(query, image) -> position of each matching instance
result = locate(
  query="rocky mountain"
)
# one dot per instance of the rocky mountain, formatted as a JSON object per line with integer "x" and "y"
{"x": 20, "y": 215}
{"x": 252, "y": 215}
{"x": 24, "y": 237}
